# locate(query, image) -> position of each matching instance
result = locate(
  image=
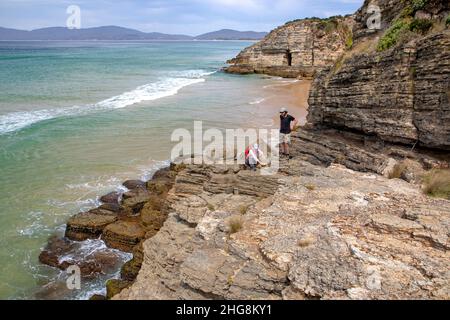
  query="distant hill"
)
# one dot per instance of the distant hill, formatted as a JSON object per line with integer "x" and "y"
{"x": 99, "y": 33}
{"x": 119, "y": 33}
{"x": 227, "y": 34}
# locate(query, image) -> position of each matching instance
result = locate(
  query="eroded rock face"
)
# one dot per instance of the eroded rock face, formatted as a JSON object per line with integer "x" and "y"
{"x": 401, "y": 95}
{"x": 296, "y": 49}
{"x": 361, "y": 153}
{"x": 326, "y": 233}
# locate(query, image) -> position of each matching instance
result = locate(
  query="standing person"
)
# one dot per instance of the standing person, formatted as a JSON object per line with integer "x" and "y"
{"x": 288, "y": 123}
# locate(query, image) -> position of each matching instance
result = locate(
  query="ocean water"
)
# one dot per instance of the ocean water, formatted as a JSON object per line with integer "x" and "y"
{"x": 77, "y": 119}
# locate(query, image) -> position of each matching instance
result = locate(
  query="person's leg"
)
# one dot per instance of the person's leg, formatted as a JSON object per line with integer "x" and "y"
{"x": 282, "y": 144}
{"x": 288, "y": 143}
{"x": 283, "y": 148}
{"x": 252, "y": 164}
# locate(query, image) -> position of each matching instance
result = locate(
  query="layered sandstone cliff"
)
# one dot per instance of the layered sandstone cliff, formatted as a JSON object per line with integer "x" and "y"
{"x": 299, "y": 48}
{"x": 400, "y": 94}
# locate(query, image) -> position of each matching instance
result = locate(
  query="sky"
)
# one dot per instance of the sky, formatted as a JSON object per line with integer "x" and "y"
{"x": 191, "y": 17}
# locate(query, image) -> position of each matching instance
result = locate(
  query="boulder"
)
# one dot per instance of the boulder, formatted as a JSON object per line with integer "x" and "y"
{"x": 130, "y": 269}
{"x": 88, "y": 225}
{"x": 123, "y": 235}
{"x": 62, "y": 253}
{"x": 114, "y": 287}
{"x": 111, "y": 207}
{"x": 134, "y": 200}
{"x": 134, "y": 184}
{"x": 110, "y": 198}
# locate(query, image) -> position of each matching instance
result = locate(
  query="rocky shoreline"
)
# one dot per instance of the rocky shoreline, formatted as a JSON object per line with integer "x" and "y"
{"x": 217, "y": 231}
{"x": 315, "y": 230}
{"x": 354, "y": 214}
{"x": 123, "y": 221}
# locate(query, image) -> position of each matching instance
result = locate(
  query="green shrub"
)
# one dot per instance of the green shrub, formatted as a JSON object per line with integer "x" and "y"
{"x": 329, "y": 25}
{"x": 392, "y": 35}
{"x": 407, "y": 12}
{"x": 412, "y": 6}
{"x": 418, "y": 4}
{"x": 349, "y": 42}
{"x": 447, "y": 22}
{"x": 420, "y": 25}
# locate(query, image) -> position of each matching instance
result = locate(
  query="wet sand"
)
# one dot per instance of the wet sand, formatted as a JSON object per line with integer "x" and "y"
{"x": 290, "y": 94}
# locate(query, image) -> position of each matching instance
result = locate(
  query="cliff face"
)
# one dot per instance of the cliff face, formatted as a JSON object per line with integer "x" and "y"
{"x": 296, "y": 49}
{"x": 401, "y": 94}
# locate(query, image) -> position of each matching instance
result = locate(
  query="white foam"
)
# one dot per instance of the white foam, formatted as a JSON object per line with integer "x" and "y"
{"x": 91, "y": 246}
{"x": 153, "y": 91}
{"x": 258, "y": 101}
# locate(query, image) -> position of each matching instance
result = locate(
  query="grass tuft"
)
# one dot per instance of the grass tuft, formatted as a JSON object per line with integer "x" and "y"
{"x": 421, "y": 26}
{"x": 437, "y": 183}
{"x": 244, "y": 209}
{"x": 398, "y": 171}
{"x": 235, "y": 224}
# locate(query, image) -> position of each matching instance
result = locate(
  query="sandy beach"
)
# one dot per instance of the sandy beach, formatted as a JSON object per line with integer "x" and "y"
{"x": 290, "y": 94}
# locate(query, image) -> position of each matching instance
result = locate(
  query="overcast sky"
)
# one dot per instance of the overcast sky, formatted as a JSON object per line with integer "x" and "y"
{"x": 190, "y": 17}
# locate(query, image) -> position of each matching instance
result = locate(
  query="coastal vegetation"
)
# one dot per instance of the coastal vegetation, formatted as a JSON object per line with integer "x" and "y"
{"x": 406, "y": 26}
{"x": 437, "y": 183}
{"x": 398, "y": 171}
{"x": 244, "y": 209}
{"x": 235, "y": 224}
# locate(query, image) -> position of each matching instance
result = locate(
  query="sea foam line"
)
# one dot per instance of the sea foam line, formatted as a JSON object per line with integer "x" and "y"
{"x": 153, "y": 91}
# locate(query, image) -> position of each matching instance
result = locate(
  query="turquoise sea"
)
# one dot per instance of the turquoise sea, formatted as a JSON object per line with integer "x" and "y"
{"x": 77, "y": 119}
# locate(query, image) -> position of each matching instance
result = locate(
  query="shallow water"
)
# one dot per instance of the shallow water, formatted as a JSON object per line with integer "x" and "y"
{"x": 77, "y": 119}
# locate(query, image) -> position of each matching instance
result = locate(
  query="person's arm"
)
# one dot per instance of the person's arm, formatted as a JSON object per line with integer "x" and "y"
{"x": 262, "y": 158}
{"x": 294, "y": 124}
{"x": 254, "y": 156}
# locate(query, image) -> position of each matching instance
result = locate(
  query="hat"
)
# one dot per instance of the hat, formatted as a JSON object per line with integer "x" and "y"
{"x": 256, "y": 146}
{"x": 283, "y": 110}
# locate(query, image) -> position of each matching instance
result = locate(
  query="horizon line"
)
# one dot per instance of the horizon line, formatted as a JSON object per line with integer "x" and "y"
{"x": 130, "y": 28}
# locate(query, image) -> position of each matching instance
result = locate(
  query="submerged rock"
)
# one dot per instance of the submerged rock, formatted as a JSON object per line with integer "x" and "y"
{"x": 134, "y": 184}
{"x": 62, "y": 253}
